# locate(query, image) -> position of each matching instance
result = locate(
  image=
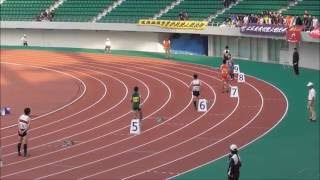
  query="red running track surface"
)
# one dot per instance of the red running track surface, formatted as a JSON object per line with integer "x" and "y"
{"x": 87, "y": 100}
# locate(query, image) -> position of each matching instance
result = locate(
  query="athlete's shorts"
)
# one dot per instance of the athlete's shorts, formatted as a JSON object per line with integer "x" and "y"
{"x": 196, "y": 93}
{"x": 135, "y": 108}
{"x": 224, "y": 78}
{"x": 23, "y": 134}
{"x": 107, "y": 47}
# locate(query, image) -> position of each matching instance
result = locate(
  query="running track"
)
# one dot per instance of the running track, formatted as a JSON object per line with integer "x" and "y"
{"x": 86, "y": 100}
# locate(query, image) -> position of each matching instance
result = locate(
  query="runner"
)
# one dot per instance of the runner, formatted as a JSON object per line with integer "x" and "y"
{"x": 136, "y": 106}
{"x": 224, "y": 76}
{"x": 23, "y": 127}
{"x": 195, "y": 87}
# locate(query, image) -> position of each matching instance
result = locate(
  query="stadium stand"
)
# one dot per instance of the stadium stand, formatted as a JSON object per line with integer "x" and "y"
{"x": 311, "y": 6}
{"x": 252, "y": 7}
{"x": 80, "y": 10}
{"x": 196, "y": 9}
{"x": 133, "y": 10}
{"x": 23, "y": 10}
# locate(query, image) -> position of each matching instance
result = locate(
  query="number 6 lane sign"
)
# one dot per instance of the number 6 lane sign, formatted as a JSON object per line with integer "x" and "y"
{"x": 202, "y": 105}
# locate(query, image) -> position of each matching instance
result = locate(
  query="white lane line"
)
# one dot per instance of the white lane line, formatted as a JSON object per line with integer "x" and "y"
{"x": 169, "y": 119}
{"x": 259, "y": 137}
{"x": 149, "y": 115}
{"x": 158, "y": 152}
{"x": 208, "y": 146}
{"x": 240, "y": 128}
{"x": 147, "y": 97}
{"x": 93, "y": 162}
{"x": 207, "y": 68}
{"x": 62, "y": 119}
{"x": 56, "y": 110}
{"x": 167, "y": 101}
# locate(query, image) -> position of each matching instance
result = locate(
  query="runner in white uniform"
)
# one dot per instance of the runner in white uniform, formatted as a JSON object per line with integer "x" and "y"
{"x": 195, "y": 85}
{"x": 23, "y": 127}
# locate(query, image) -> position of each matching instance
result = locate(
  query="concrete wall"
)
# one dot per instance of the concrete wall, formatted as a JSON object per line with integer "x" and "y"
{"x": 140, "y": 41}
{"x": 309, "y": 54}
{"x": 135, "y": 37}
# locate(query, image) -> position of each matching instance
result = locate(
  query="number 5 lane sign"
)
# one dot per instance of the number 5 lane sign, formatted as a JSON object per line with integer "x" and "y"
{"x": 135, "y": 126}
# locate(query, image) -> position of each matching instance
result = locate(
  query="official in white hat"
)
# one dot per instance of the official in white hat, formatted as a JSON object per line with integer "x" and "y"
{"x": 234, "y": 163}
{"x": 24, "y": 40}
{"x": 107, "y": 48}
{"x": 311, "y": 102}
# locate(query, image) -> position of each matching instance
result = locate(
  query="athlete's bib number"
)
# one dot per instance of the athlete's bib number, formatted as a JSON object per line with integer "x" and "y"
{"x": 236, "y": 69}
{"x": 241, "y": 78}
{"x": 202, "y": 105}
{"x": 234, "y": 92}
{"x": 135, "y": 126}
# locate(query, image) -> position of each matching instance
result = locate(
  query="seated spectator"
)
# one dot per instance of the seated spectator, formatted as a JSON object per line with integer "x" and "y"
{"x": 315, "y": 22}
{"x": 180, "y": 16}
{"x": 298, "y": 21}
{"x": 226, "y": 3}
{"x": 308, "y": 24}
{"x": 185, "y": 15}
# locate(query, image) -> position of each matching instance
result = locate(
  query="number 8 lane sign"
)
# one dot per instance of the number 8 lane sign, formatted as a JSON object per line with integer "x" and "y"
{"x": 135, "y": 126}
{"x": 202, "y": 105}
{"x": 241, "y": 78}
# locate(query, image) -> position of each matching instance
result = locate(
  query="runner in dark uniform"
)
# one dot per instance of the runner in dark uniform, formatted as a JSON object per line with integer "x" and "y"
{"x": 136, "y": 106}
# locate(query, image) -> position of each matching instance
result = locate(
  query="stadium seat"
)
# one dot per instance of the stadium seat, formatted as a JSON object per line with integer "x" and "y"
{"x": 133, "y": 10}
{"x": 23, "y": 10}
{"x": 251, "y": 7}
{"x": 312, "y": 6}
{"x": 80, "y": 10}
{"x": 196, "y": 9}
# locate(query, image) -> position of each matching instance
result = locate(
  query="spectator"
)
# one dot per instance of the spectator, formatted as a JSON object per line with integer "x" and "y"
{"x": 185, "y": 15}
{"x": 298, "y": 21}
{"x": 226, "y": 3}
{"x": 308, "y": 25}
{"x": 315, "y": 22}
{"x": 181, "y": 16}
{"x": 295, "y": 61}
{"x": 246, "y": 20}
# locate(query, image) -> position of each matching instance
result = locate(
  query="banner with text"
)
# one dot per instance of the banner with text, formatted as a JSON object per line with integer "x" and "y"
{"x": 266, "y": 29}
{"x": 294, "y": 34}
{"x": 195, "y": 25}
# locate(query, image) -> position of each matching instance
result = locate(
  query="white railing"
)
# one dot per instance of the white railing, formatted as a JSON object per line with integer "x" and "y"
{"x": 165, "y": 10}
{"x": 56, "y": 5}
{"x": 213, "y": 16}
{"x": 107, "y": 10}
